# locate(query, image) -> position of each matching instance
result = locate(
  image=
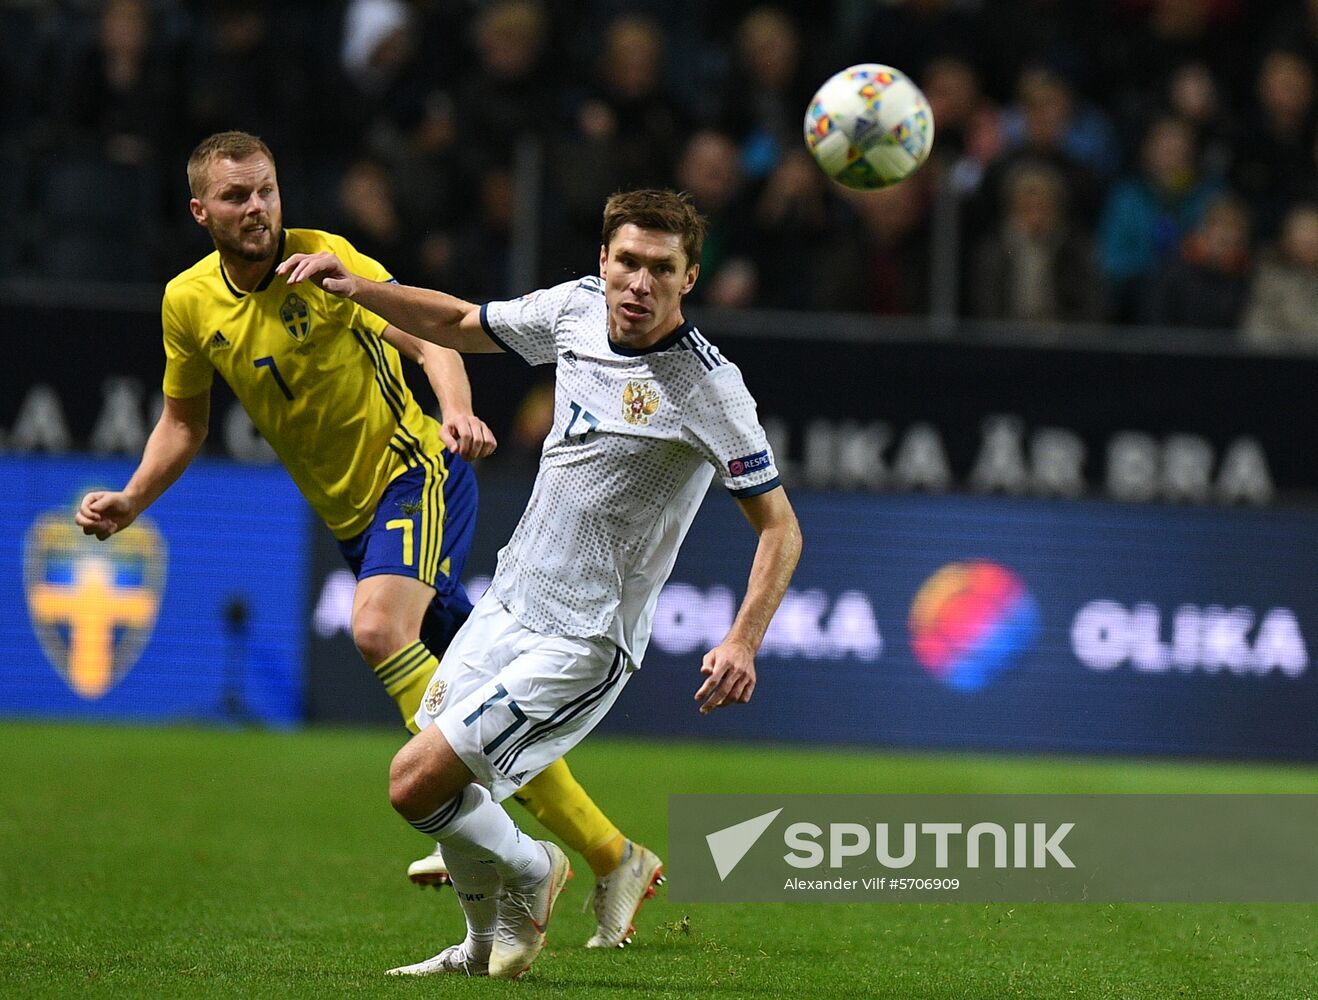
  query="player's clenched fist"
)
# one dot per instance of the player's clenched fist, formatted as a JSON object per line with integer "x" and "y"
{"x": 468, "y": 436}
{"x": 102, "y": 513}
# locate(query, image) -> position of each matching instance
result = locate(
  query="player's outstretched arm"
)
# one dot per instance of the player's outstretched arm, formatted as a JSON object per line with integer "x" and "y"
{"x": 175, "y": 441}
{"x": 463, "y": 432}
{"x": 435, "y": 316}
{"x": 729, "y": 667}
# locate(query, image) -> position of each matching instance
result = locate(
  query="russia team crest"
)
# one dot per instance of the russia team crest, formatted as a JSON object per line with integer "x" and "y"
{"x": 93, "y": 604}
{"x": 640, "y": 400}
{"x": 434, "y": 697}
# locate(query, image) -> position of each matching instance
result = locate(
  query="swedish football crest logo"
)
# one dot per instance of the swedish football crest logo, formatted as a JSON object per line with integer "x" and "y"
{"x": 93, "y": 604}
{"x": 640, "y": 400}
{"x": 296, "y": 316}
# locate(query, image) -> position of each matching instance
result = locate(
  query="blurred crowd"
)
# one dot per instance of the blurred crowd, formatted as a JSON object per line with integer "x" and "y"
{"x": 1130, "y": 161}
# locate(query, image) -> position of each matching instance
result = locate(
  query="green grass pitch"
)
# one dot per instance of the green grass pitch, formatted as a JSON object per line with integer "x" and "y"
{"x": 196, "y": 863}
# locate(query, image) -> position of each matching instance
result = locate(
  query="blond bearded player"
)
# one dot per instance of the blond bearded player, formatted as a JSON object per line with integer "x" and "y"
{"x": 646, "y": 412}
{"x": 322, "y": 380}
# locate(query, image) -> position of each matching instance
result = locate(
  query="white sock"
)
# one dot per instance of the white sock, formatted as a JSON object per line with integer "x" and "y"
{"x": 477, "y": 885}
{"x": 474, "y": 825}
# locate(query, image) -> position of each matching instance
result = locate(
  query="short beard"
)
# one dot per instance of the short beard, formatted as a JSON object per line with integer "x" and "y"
{"x": 236, "y": 249}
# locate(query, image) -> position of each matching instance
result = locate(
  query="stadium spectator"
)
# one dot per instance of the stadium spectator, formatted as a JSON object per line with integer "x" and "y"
{"x": 765, "y": 96}
{"x": 567, "y": 617}
{"x": 371, "y": 218}
{"x": 1276, "y": 163}
{"x": 242, "y": 70}
{"x": 509, "y": 98}
{"x": 794, "y": 238}
{"x": 1048, "y": 105}
{"x": 101, "y": 198}
{"x": 427, "y": 175}
{"x": 711, "y": 171}
{"x": 1196, "y": 95}
{"x": 1045, "y": 118}
{"x": 1283, "y": 300}
{"x": 1293, "y": 26}
{"x": 482, "y": 239}
{"x": 627, "y": 129}
{"x": 117, "y": 98}
{"x": 694, "y": 43}
{"x": 968, "y": 124}
{"x": 881, "y": 265}
{"x": 1147, "y": 40}
{"x": 378, "y": 43}
{"x": 1039, "y": 267}
{"x": 1150, "y": 212}
{"x": 1207, "y": 284}
{"x": 629, "y": 110}
{"x": 1189, "y": 91}
{"x": 409, "y": 122}
{"x": 390, "y": 87}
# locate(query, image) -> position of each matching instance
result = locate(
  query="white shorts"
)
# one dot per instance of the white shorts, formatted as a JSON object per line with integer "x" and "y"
{"x": 512, "y": 701}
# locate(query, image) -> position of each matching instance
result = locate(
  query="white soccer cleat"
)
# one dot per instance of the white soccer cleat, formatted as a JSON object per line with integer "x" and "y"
{"x": 430, "y": 870}
{"x": 523, "y": 917}
{"x": 619, "y": 895}
{"x": 453, "y": 959}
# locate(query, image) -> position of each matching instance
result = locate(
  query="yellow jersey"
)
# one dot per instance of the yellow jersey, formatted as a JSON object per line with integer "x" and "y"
{"x": 313, "y": 373}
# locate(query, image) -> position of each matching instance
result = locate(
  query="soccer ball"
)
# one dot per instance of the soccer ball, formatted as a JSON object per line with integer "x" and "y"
{"x": 869, "y": 126}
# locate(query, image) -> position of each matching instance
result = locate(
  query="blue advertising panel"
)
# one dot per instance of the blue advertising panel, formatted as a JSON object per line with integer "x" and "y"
{"x": 935, "y": 621}
{"x": 195, "y": 612}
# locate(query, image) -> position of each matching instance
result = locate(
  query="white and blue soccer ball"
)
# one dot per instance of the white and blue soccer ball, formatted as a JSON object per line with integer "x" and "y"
{"x": 869, "y": 127}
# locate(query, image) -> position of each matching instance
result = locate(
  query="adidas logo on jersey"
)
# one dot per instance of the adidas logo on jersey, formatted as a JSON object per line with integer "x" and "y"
{"x": 219, "y": 342}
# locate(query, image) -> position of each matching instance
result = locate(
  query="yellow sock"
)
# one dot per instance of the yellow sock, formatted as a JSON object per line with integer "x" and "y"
{"x": 556, "y": 799}
{"x": 405, "y": 676}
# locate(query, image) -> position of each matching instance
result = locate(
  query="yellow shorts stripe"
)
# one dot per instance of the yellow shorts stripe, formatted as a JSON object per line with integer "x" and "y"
{"x": 433, "y": 520}
{"x": 430, "y": 543}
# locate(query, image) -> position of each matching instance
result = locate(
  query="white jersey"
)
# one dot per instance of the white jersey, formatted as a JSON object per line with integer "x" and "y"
{"x": 636, "y": 439}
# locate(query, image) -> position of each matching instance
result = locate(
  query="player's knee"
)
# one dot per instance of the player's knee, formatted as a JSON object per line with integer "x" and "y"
{"x": 379, "y": 636}
{"x": 408, "y": 785}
